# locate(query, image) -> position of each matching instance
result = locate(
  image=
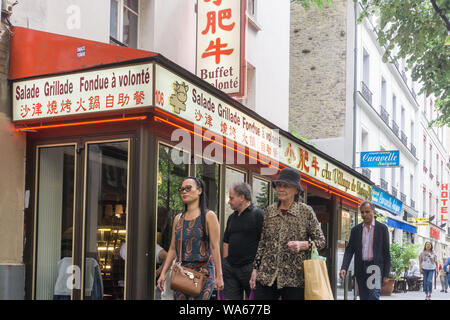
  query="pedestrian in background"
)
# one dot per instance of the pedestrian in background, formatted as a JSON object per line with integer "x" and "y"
{"x": 240, "y": 242}
{"x": 428, "y": 264}
{"x": 289, "y": 226}
{"x": 446, "y": 268}
{"x": 369, "y": 242}
{"x": 413, "y": 274}
{"x": 443, "y": 276}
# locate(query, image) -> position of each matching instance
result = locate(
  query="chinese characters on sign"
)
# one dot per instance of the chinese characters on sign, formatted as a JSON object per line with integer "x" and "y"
{"x": 206, "y": 111}
{"x": 444, "y": 201}
{"x": 82, "y": 93}
{"x": 219, "y": 52}
{"x": 314, "y": 166}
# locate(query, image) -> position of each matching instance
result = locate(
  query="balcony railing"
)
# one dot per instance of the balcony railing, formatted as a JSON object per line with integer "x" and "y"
{"x": 402, "y": 197}
{"x": 395, "y": 127}
{"x": 413, "y": 204}
{"x": 404, "y": 138}
{"x": 394, "y": 191}
{"x": 366, "y": 172}
{"x": 384, "y": 115}
{"x": 413, "y": 149}
{"x": 383, "y": 184}
{"x": 367, "y": 94}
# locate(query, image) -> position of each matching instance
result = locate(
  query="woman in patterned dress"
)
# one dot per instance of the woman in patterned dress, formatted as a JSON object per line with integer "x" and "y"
{"x": 200, "y": 243}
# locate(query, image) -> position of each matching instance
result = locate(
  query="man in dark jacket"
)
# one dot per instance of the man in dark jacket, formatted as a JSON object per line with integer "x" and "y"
{"x": 369, "y": 242}
{"x": 240, "y": 242}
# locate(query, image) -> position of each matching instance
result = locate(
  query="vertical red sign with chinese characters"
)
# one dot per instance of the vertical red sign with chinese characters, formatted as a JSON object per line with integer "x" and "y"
{"x": 221, "y": 43}
{"x": 435, "y": 233}
{"x": 444, "y": 201}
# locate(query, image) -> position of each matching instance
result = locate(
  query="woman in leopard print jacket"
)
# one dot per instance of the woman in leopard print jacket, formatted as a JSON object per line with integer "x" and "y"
{"x": 289, "y": 227}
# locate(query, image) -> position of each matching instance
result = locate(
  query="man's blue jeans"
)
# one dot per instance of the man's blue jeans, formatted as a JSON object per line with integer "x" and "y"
{"x": 428, "y": 280}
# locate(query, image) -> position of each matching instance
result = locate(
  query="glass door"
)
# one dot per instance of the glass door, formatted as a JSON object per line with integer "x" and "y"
{"x": 106, "y": 185}
{"x": 80, "y": 220}
{"x": 54, "y": 217}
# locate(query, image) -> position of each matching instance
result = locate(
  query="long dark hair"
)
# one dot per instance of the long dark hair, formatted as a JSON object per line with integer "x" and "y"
{"x": 202, "y": 203}
{"x": 425, "y": 246}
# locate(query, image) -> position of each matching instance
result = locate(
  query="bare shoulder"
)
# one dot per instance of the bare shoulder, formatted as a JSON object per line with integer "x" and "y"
{"x": 211, "y": 215}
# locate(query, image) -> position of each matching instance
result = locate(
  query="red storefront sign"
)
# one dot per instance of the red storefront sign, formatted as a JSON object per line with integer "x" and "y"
{"x": 435, "y": 233}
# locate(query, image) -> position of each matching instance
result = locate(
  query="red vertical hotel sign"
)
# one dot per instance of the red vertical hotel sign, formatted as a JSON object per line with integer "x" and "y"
{"x": 220, "y": 44}
{"x": 444, "y": 201}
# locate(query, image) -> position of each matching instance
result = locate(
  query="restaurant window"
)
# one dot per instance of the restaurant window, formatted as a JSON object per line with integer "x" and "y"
{"x": 124, "y": 19}
{"x": 55, "y": 205}
{"x": 173, "y": 167}
{"x": 251, "y": 8}
{"x": 260, "y": 194}
{"x": 232, "y": 176}
{"x": 347, "y": 222}
{"x": 209, "y": 172}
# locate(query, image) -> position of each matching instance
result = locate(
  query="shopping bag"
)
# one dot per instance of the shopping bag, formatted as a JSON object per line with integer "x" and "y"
{"x": 317, "y": 283}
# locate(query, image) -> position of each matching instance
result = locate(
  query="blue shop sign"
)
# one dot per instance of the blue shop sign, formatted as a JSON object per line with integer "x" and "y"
{"x": 386, "y": 201}
{"x": 380, "y": 158}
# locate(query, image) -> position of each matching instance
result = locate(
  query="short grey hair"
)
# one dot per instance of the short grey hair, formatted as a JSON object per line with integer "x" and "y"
{"x": 366, "y": 202}
{"x": 243, "y": 189}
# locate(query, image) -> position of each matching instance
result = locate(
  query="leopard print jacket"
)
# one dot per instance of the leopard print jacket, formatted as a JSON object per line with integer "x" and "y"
{"x": 274, "y": 261}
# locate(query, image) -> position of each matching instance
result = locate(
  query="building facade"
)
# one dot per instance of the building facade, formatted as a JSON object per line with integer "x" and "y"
{"x": 337, "y": 75}
{"x": 101, "y": 163}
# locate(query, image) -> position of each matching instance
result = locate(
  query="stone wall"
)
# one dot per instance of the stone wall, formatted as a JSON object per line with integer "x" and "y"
{"x": 318, "y": 70}
{"x": 12, "y": 186}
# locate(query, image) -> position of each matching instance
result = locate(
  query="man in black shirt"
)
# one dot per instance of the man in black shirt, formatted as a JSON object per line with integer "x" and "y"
{"x": 240, "y": 242}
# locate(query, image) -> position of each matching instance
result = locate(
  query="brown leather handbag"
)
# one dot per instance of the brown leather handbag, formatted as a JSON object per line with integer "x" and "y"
{"x": 187, "y": 280}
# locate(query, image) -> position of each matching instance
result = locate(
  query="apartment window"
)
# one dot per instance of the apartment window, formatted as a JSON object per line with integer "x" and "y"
{"x": 393, "y": 182}
{"x": 411, "y": 186}
{"x": 412, "y": 133}
{"x": 382, "y": 169}
{"x": 364, "y": 140}
{"x": 437, "y": 167}
{"x": 366, "y": 68}
{"x": 438, "y": 216}
{"x": 251, "y": 8}
{"x": 424, "y": 151}
{"x": 424, "y": 203}
{"x": 124, "y": 16}
{"x": 431, "y": 207}
{"x": 394, "y": 108}
{"x": 431, "y": 158}
{"x": 402, "y": 180}
{"x": 383, "y": 92}
{"x": 403, "y": 119}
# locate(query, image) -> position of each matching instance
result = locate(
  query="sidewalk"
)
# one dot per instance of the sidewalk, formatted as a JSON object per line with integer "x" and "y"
{"x": 410, "y": 295}
{"x": 419, "y": 295}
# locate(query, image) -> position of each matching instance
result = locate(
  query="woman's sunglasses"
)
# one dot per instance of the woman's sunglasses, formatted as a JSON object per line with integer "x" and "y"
{"x": 187, "y": 189}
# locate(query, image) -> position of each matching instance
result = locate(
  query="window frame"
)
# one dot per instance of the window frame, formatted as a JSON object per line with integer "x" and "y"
{"x": 120, "y": 17}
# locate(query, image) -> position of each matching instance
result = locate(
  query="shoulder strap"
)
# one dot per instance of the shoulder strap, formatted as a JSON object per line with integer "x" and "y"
{"x": 181, "y": 238}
